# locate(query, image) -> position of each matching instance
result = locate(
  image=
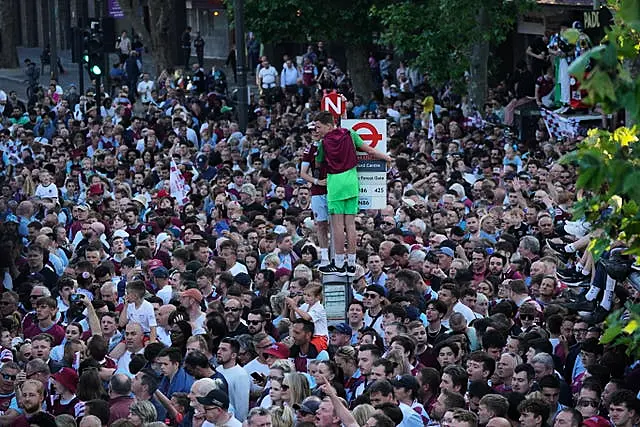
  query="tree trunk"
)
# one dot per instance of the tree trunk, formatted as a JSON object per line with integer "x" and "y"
{"x": 479, "y": 63}
{"x": 359, "y": 69}
{"x": 8, "y": 34}
{"x": 163, "y": 38}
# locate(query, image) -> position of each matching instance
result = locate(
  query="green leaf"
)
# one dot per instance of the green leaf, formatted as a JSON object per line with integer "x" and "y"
{"x": 578, "y": 66}
{"x": 611, "y": 333}
{"x": 630, "y": 12}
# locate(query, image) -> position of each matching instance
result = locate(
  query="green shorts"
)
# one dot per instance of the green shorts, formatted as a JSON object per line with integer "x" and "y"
{"x": 344, "y": 207}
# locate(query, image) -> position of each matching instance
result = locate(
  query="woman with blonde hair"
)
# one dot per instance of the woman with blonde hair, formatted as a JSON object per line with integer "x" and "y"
{"x": 400, "y": 362}
{"x": 142, "y": 412}
{"x": 295, "y": 388}
{"x": 282, "y": 416}
{"x": 272, "y": 262}
{"x": 482, "y": 304}
{"x": 362, "y": 413}
{"x": 277, "y": 372}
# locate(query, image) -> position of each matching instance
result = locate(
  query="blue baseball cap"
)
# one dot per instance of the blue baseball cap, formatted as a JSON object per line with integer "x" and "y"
{"x": 341, "y": 328}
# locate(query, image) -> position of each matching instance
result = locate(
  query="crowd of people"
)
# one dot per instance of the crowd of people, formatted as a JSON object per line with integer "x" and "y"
{"x": 161, "y": 266}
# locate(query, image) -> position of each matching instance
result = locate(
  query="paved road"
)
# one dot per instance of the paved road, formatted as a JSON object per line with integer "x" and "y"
{"x": 14, "y": 79}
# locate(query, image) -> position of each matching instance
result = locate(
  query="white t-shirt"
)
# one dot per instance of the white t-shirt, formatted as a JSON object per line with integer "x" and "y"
{"x": 231, "y": 422}
{"x": 468, "y": 314}
{"x": 123, "y": 363}
{"x": 239, "y": 387}
{"x": 198, "y": 324}
{"x": 163, "y": 336}
{"x": 165, "y": 293}
{"x": 49, "y": 191}
{"x": 144, "y": 89}
{"x": 238, "y": 268}
{"x": 318, "y": 317}
{"x": 143, "y": 315}
{"x": 268, "y": 76}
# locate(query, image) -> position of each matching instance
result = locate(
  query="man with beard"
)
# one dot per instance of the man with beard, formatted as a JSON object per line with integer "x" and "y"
{"x": 232, "y": 313}
{"x": 32, "y": 398}
{"x": 446, "y": 401}
{"x": 496, "y": 265}
{"x": 302, "y": 200}
{"x": 256, "y": 321}
{"x": 191, "y": 300}
{"x": 237, "y": 378}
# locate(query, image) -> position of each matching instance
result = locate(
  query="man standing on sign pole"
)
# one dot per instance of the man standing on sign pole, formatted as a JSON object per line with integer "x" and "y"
{"x": 318, "y": 192}
{"x": 338, "y": 152}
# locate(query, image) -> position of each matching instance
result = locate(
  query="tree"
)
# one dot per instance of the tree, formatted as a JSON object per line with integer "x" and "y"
{"x": 162, "y": 36}
{"x": 447, "y": 38}
{"x": 8, "y": 34}
{"x": 609, "y": 162}
{"x": 351, "y": 23}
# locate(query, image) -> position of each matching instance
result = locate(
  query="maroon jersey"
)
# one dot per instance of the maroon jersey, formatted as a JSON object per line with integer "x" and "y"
{"x": 339, "y": 151}
{"x": 56, "y": 331}
{"x": 58, "y": 407}
{"x": 317, "y": 171}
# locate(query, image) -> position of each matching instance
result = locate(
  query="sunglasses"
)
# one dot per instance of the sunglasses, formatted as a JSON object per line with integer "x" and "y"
{"x": 527, "y": 317}
{"x": 34, "y": 296}
{"x": 9, "y": 377}
{"x": 587, "y": 402}
{"x": 370, "y": 295}
{"x": 231, "y": 309}
{"x": 285, "y": 387}
{"x": 254, "y": 322}
{"x": 390, "y": 224}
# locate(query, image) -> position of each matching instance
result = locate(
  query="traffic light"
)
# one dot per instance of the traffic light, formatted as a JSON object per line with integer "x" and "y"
{"x": 93, "y": 51}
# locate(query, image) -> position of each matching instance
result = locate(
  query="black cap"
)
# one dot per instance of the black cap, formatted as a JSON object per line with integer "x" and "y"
{"x": 308, "y": 406}
{"x": 377, "y": 289}
{"x": 215, "y": 398}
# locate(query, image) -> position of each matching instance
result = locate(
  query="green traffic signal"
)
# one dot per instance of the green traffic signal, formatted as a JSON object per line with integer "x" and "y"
{"x": 95, "y": 70}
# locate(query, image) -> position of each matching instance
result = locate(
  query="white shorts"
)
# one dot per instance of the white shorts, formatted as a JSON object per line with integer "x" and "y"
{"x": 319, "y": 208}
